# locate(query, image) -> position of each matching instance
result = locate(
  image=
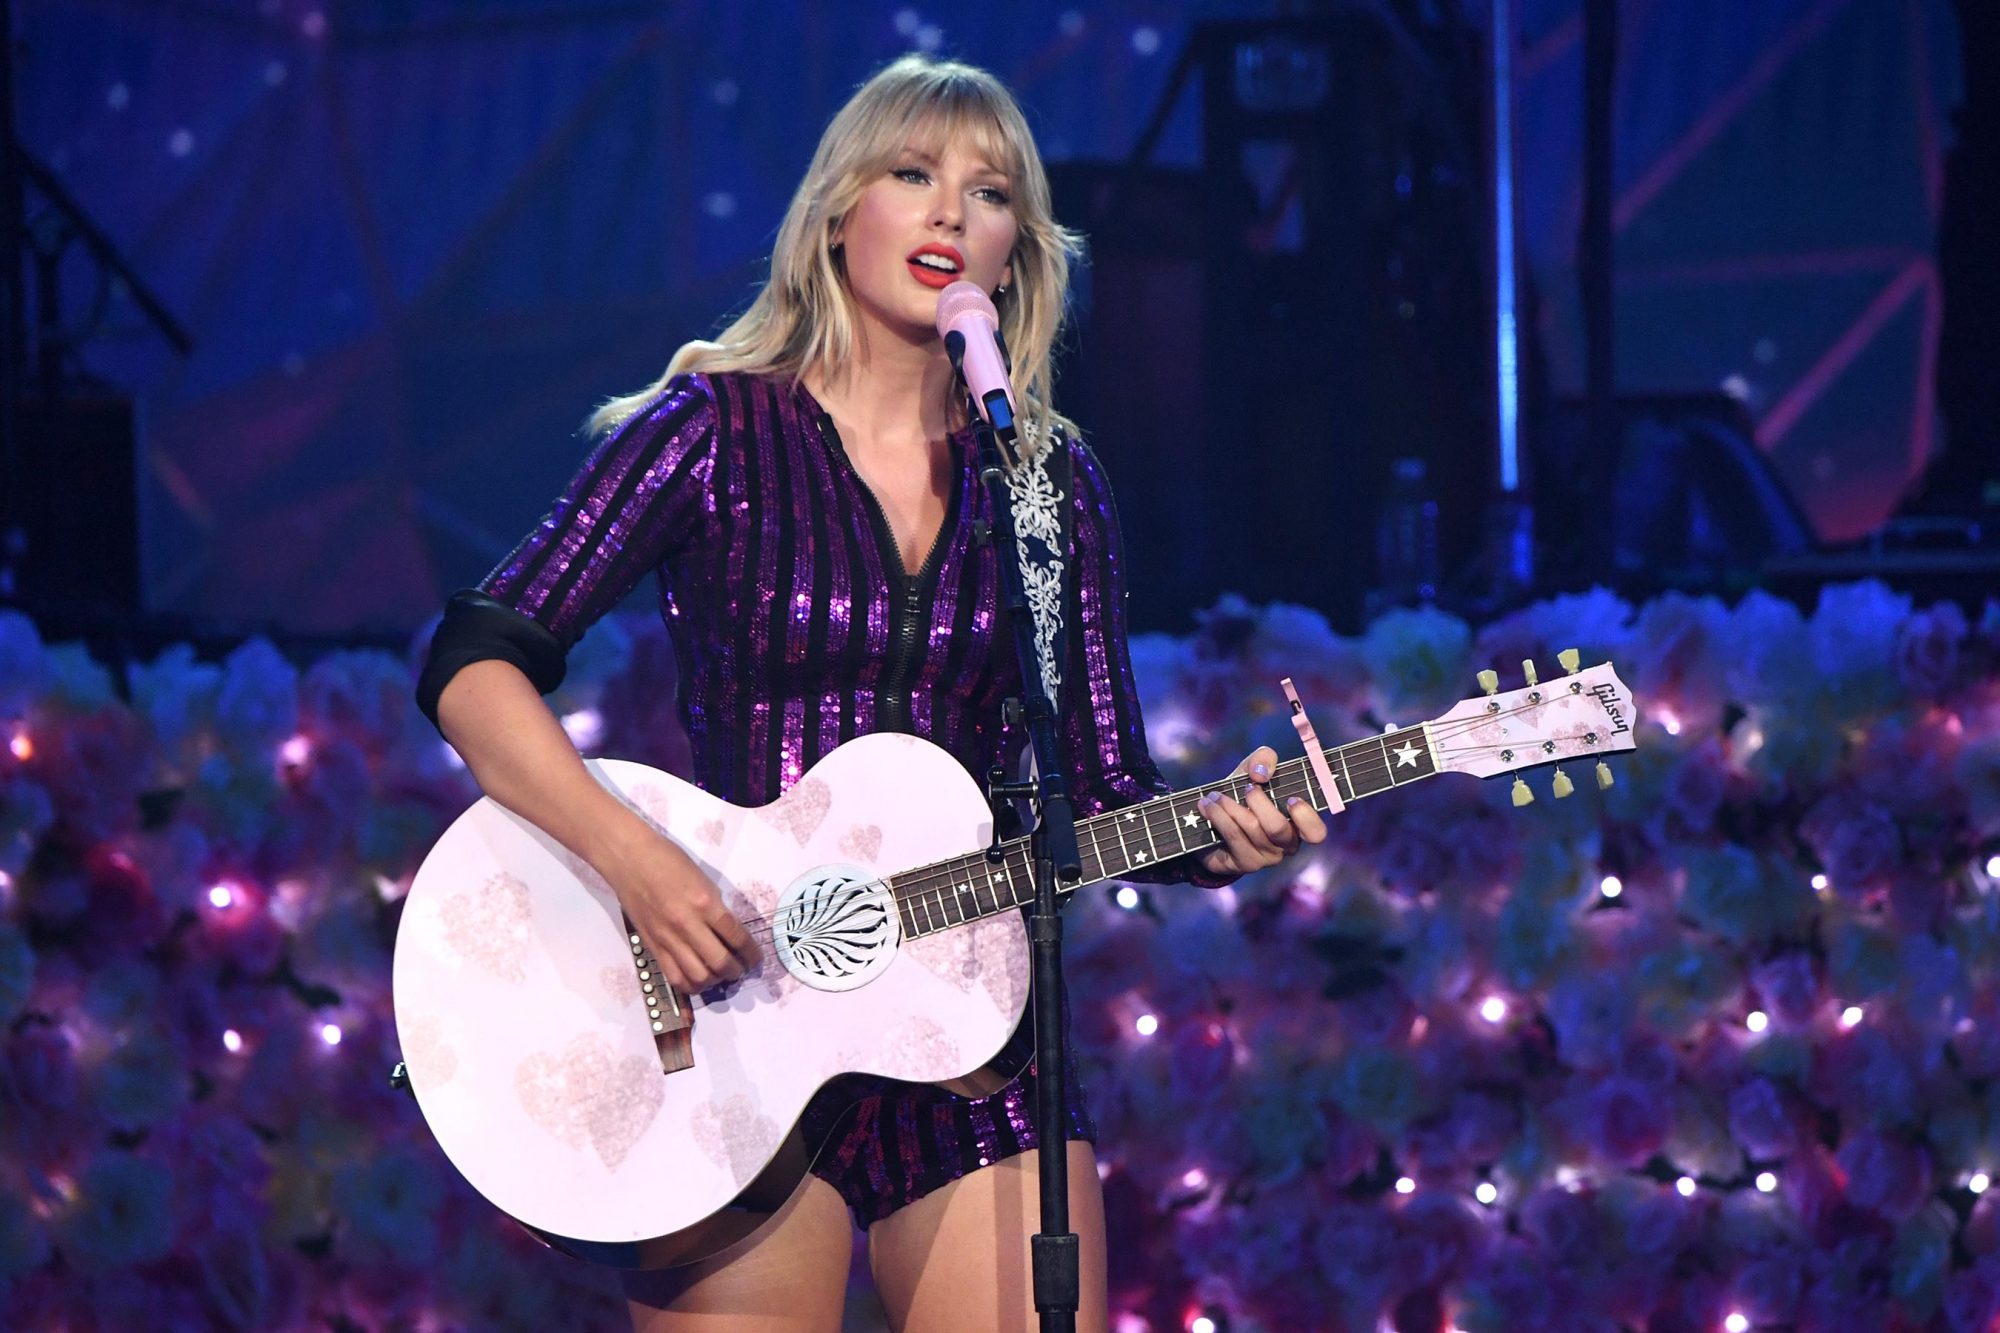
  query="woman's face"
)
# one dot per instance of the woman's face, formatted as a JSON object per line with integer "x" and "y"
{"x": 926, "y": 222}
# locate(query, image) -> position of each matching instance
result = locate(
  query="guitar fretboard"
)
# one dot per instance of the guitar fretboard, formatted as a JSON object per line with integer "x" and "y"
{"x": 1119, "y": 842}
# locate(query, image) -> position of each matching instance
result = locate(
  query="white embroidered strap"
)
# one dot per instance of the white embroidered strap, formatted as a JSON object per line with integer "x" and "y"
{"x": 1038, "y": 542}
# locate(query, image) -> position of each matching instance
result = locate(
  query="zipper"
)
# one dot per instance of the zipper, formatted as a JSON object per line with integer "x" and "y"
{"x": 906, "y": 606}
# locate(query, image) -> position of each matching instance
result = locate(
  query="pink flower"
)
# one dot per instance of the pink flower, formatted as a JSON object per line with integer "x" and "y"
{"x": 1202, "y": 1060}
{"x": 1482, "y": 1125}
{"x": 1439, "y": 1237}
{"x": 1769, "y": 1286}
{"x": 1763, "y": 1118}
{"x": 1564, "y": 1224}
{"x": 1982, "y": 1228}
{"x": 1628, "y": 1121}
{"x": 1886, "y": 1175}
{"x": 1856, "y": 840}
{"x": 1972, "y": 1298}
{"x": 1789, "y": 985}
{"x": 1927, "y": 650}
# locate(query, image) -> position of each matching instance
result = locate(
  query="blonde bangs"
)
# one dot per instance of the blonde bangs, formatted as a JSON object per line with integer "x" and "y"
{"x": 803, "y": 316}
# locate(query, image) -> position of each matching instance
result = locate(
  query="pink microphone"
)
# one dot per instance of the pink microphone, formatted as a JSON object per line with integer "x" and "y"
{"x": 970, "y": 327}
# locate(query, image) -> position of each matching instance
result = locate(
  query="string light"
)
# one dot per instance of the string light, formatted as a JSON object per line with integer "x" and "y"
{"x": 1201, "y": 1323}
{"x": 1493, "y": 1009}
{"x": 232, "y": 1040}
{"x": 1668, "y": 722}
{"x": 1686, "y": 1186}
{"x": 1611, "y": 886}
{"x": 1127, "y": 897}
{"x": 22, "y": 746}
{"x": 1736, "y": 1323}
{"x": 220, "y": 896}
{"x": 1850, "y": 1015}
{"x": 1195, "y": 1178}
{"x": 294, "y": 752}
{"x": 585, "y": 727}
{"x": 1993, "y": 866}
{"x": 330, "y": 1033}
{"x": 1147, "y": 1025}
{"x": 1486, "y": 1192}
{"x": 1404, "y": 1185}
{"x": 1978, "y": 1183}
{"x": 1819, "y": 883}
{"x": 1766, "y": 1182}
{"x": 1757, "y": 1021}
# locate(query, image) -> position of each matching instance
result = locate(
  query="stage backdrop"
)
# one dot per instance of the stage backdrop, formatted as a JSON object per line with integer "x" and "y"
{"x": 418, "y": 239}
{"x": 1715, "y": 1050}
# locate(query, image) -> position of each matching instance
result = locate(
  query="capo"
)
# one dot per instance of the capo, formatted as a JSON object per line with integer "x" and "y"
{"x": 1315, "y": 755}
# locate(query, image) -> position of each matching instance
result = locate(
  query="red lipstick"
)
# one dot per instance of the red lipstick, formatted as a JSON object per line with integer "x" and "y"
{"x": 931, "y": 276}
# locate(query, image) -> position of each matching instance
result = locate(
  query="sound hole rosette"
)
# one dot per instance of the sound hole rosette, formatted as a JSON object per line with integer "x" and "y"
{"x": 835, "y": 928}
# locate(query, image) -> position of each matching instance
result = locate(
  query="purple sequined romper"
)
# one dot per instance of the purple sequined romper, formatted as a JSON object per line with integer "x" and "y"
{"x": 796, "y": 628}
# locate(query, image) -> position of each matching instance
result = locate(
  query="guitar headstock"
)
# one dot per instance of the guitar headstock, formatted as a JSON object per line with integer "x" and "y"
{"x": 1583, "y": 715}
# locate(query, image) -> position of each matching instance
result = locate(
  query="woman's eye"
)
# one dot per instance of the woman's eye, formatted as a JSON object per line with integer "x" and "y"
{"x": 994, "y": 195}
{"x": 915, "y": 175}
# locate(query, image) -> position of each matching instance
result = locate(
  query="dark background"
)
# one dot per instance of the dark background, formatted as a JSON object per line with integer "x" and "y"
{"x": 414, "y": 241}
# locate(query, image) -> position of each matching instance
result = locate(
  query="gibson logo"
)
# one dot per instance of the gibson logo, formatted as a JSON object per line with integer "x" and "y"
{"x": 1607, "y": 695}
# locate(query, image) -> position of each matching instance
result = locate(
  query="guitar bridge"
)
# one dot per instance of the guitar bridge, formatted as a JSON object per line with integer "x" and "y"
{"x": 668, "y": 1013}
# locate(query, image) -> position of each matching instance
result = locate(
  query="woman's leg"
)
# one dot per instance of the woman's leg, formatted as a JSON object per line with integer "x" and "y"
{"x": 788, "y": 1276}
{"x": 957, "y": 1260}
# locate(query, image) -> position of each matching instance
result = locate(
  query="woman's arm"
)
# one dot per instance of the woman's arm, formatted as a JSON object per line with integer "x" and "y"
{"x": 636, "y": 503}
{"x": 1105, "y": 734}
{"x": 523, "y": 759}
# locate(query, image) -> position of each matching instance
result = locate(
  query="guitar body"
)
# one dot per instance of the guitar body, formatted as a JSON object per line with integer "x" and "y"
{"x": 525, "y": 1030}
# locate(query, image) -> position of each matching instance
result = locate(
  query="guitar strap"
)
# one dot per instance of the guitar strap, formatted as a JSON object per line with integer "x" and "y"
{"x": 1043, "y": 525}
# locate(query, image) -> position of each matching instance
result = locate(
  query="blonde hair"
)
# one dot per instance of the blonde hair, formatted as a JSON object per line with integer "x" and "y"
{"x": 803, "y": 318}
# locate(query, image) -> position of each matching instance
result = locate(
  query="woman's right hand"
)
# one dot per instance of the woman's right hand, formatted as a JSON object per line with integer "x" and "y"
{"x": 679, "y": 913}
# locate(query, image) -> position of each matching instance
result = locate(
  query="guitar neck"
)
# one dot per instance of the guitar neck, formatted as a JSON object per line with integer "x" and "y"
{"x": 1118, "y": 842}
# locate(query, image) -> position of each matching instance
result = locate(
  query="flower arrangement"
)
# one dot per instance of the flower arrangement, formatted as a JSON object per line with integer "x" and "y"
{"x": 1716, "y": 1049}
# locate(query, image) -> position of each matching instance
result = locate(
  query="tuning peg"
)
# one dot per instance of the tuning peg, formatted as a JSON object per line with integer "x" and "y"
{"x": 1571, "y": 659}
{"x": 1604, "y": 778}
{"x": 1522, "y": 796}
{"x": 1562, "y": 786}
{"x": 1528, "y": 670}
{"x": 1489, "y": 681}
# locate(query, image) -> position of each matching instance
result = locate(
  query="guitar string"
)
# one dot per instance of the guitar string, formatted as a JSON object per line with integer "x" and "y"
{"x": 937, "y": 888}
{"x": 933, "y": 890}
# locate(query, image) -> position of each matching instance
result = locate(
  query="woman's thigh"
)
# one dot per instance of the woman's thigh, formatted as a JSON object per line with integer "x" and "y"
{"x": 788, "y": 1276}
{"x": 957, "y": 1260}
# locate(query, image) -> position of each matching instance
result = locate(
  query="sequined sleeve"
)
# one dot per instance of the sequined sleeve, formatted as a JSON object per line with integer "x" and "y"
{"x": 637, "y": 501}
{"x": 1105, "y": 734}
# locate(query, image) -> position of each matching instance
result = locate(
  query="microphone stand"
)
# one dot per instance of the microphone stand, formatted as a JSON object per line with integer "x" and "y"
{"x": 1054, "y": 852}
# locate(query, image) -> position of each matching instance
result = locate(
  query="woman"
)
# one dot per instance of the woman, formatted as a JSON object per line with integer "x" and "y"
{"x": 803, "y": 489}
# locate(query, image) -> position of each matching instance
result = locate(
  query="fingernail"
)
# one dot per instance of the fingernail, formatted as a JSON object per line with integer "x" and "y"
{"x": 1211, "y": 798}
{"x": 1261, "y": 770}
{"x": 1291, "y": 801}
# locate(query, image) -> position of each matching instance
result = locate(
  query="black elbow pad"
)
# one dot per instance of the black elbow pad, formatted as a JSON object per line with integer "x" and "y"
{"x": 475, "y": 628}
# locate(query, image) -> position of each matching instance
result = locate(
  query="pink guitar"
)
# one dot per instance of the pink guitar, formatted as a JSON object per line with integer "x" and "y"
{"x": 637, "y": 1127}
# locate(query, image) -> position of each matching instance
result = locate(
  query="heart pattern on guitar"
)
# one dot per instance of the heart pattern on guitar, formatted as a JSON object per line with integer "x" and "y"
{"x": 801, "y": 810}
{"x": 430, "y": 1061}
{"x": 736, "y": 1134}
{"x": 489, "y": 926}
{"x": 591, "y": 1096}
{"x": 921, "y": 1049}
{"x": 863, "y": 842}
{"x": 621, "y": 983}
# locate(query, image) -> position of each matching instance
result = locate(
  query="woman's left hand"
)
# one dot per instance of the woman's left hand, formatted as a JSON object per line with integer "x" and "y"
{"x": 1256, "y": 832}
